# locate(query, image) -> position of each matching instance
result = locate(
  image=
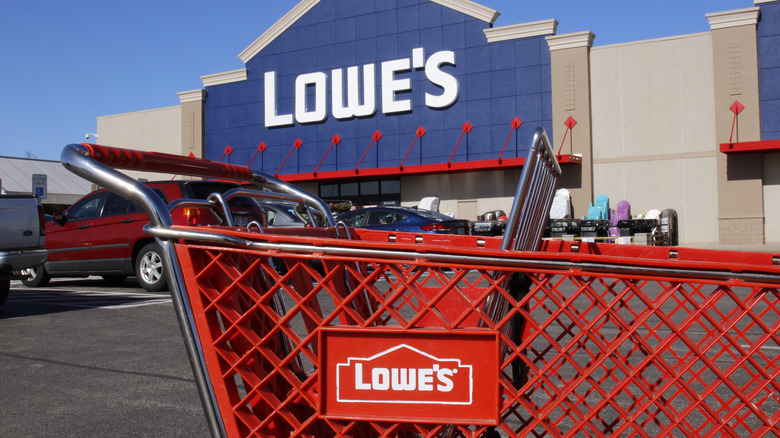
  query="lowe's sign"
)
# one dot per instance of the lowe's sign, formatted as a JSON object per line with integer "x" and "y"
{"x": 349, "y": 101}
{"x": 339, "y": 85}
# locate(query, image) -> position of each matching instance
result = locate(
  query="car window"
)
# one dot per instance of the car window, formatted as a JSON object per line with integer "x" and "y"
{"x": 242, "y": 202}
{"x": 276, "y": 217}
{"x": 384, "y": 217}
{"x": 115, "y": 205}
{"x": 135, "y": 208}
{"x": 354, "y": 219}
{"x": 271, "y": 217}
{"x": 160, "y": 193}
{"x": 86, "y": 208}
{"x": 281, "y": 215}
{"x": 397, "y": 217}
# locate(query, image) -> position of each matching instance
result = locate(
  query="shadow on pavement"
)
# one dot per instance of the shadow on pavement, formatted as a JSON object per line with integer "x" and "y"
{"x": 66, "y": 295}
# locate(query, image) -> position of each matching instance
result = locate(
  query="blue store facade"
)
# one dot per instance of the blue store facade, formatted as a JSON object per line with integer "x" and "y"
{"x": 372, "y": 73}
{"x": 391, "y": 101}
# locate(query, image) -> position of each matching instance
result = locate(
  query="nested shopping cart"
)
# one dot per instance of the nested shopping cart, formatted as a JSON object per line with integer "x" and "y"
{"x": 329, "y": 330}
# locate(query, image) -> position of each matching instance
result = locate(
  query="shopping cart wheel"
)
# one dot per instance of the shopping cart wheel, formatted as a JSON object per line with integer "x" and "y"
{"x": 149, "y": 268}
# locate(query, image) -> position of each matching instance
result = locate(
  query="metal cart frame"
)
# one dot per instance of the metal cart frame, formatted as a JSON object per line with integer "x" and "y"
{"x": 549, "y": 338}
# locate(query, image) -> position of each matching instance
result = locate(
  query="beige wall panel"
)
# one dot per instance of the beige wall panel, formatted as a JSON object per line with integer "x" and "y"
{"x": 607, "y": 104}
{"x": 684, "y": 185}
{"x": 153, "y": 130}
{"x": 638, "y": 106}
{"x": 653, "y": 130}
{"x": 651, "y": 99}
{"x": 156, "y": 130}
{"x": 772, "y": 197}
{"x": 467, "y": 209}
{"x": 698, "y": 101}
{"x": 492, "y": 190}
{"x": 698, "y": 220}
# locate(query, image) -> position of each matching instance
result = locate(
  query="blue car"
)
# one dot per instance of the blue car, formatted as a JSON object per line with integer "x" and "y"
{"x": 404, "y": 219}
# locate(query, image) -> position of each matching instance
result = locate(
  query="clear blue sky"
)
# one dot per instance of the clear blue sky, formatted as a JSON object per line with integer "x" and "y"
{"x": 65, "y": 63}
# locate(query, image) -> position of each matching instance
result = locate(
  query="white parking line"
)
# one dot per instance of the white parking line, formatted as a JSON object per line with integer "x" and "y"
{"x": 145, "y": 303}
{"x": 88, "y": 299}
{"x": 762, "y": 348}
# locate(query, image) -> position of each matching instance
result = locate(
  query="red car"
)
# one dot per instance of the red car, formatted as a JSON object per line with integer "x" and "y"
{"x": 102, "y": 233}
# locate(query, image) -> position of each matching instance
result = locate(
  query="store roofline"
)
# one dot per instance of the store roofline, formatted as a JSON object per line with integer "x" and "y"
{"x": 464, "y": 6}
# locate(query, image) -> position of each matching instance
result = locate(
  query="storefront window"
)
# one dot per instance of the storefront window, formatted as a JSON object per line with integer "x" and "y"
{"x": 349, "y": 189}
{"x": 369, "y": 188}
{"x": 329, "y": 190}
{"x": 391, "y": 186}
{"x": 374, "y": 192}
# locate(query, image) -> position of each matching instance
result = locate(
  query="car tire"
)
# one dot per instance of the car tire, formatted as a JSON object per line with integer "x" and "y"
{"x": 36, "y": 277}
{"x": 5, "y": 287}
{"x": 150, "y": 269}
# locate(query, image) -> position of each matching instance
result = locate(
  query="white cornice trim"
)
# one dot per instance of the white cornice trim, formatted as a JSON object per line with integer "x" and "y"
{"x": 758, "y": 2}
{"x": 571, "y": 40}
{"x": 274, "y": 31}
{"x": 739, "y": 17}
{"x": 472, "y": 9}
{"x": 224, "y": 78}
{"x": 524, "y": 30}
{"x": 192, "y": 96}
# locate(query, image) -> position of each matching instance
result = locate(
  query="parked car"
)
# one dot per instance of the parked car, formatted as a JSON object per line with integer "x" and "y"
{"x": 491, "y": 223}
{"x": 22, "y": 237}
{"x": 282, "y": 214}
{"x": 102, "y": 233}
{"x": 404, "y": 219}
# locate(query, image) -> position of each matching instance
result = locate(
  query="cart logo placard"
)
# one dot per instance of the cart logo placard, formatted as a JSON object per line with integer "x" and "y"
{"x": 427, "y": 376}
{"x": 404, "y": 374}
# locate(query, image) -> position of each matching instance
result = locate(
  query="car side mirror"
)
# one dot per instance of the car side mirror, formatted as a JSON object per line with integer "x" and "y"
{"x": 60, "y": 218}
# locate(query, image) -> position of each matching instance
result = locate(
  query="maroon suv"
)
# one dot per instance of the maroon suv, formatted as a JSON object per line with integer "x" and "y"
{"x": 102, "y": 233}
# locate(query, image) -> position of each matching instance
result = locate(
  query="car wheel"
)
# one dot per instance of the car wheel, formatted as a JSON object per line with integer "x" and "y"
{"x": 5, "y": 287}
{"x": 149, "y": 268}
{"x": 36, "y": 277}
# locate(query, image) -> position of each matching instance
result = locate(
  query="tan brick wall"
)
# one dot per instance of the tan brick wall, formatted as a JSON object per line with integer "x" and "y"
{"x": 742, "y": 231}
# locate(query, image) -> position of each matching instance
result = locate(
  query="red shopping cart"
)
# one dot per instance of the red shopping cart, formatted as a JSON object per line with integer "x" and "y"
{"x": 333, "y": 331}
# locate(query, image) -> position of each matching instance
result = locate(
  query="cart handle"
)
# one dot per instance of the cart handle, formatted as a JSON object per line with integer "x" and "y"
{"x": 97, "y": 164}
{"x": 165, "y": 163}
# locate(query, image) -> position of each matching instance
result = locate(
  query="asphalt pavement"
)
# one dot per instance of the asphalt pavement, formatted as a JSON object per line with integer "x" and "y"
{"x": 79, "y": 358}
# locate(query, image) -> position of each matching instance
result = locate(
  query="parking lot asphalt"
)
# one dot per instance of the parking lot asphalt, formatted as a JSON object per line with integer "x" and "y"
{"x": 80, "y": 359}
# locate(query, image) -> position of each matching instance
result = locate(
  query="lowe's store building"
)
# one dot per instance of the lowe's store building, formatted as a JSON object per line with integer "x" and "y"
{"x": 375, "y": 101}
